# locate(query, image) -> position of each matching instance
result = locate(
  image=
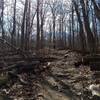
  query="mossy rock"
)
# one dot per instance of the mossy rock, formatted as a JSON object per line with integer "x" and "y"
{"x": 3, "y": 80}
{"x": 4, "y": 97}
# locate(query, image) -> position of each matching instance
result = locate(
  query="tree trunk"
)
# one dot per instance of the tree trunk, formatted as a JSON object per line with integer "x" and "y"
{"x": 54, "y": 37}
{"x": 38, "y": 27}
{"x": 96, "y": 9}
{"x": 90, "y": 37}
{"x": 81, "y": 32}
{"x": 13, "y": 34}
{"x": 2, "y": 23}
{"x": 27, "y": 33}
{"x": 73, "y": 25}
{"x": 42, "y": 24}
{"x": 23, "y": 26}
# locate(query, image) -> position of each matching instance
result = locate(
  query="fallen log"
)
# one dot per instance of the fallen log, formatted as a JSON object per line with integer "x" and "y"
{"x": 95, "y": 66}
{"x": 27, "y": 56}
{"x": 92, "y": 61}
{"x": 96, "y": 75}
{"x": 22, "y": 66}
{"x": 79, "y": 63}
{"x": 91, "y": 58}
{"x": 18, "y": 50}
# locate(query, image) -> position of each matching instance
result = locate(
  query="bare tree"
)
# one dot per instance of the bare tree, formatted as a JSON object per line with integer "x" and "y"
{"x": 27, "y": 27}
{"x": 81, "y": 32}
{"x": 38, "y": 26}
{"x": 72, "y": 8}
{"x": 96, "y": 9}
{"x": 23, "y": 25}
{"x": 13, "y": 33}
{"x": 90, "y": 37}
{"x": 53, "y": 7}
{"x": 2, "y": 19}
{"x": 42, "y": 19}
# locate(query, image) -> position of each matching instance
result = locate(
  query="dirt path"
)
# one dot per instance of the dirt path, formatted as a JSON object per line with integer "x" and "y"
{"x": 52, "y": 90}
{"x": 63, "y": 79}
{"x": 51, "y": 94}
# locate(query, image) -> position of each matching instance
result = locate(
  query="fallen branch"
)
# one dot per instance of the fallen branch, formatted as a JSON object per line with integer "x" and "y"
{"x": 15, "y": 76}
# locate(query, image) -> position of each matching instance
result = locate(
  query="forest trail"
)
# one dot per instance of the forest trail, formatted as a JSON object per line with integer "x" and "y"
{"x": 62, "y": 81}
{"x": 51, "y": 94}
{"x": 56, "y": 85}
{"x": 65, "y": 82}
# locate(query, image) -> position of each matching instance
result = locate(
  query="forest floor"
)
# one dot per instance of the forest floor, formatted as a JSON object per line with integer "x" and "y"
{"x": 61, "y": 81}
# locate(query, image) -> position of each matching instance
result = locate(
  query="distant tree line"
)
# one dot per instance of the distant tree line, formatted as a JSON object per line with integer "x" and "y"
{"x": 73, "y": 24}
